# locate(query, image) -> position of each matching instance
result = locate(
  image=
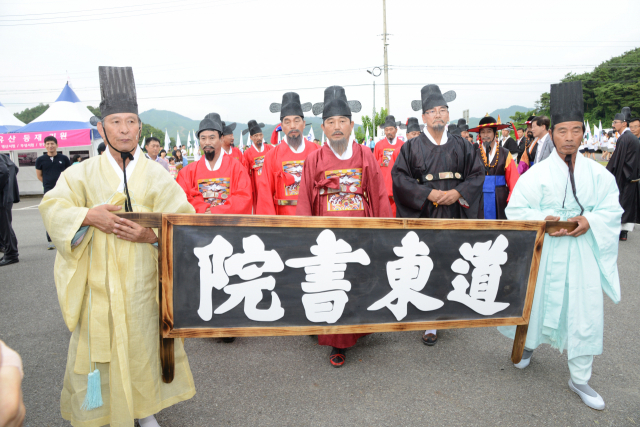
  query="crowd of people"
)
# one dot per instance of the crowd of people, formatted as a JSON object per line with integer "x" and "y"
{"x": 438, "y": 172}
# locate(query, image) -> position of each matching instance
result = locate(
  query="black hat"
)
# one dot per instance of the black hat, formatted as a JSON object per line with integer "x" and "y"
{"x": 432, "y": 97}
{"x": 624, "y": 115}
{"x": 566, "y": 102}
{"x": 228, "y": 129}
{"x": 453, "y": 129}
{"x": 253, "y": 127}
{"x": 336, "y": 104}
{"x": 290, "y": 106}
{"x": 390, "y": 121}
{"x": 118, "y": 92}
{"x": 210, "y": 122}
{"x": 529, "y": 120}
{"x": 413, "y": 125}
{"x": 462, "y": 125}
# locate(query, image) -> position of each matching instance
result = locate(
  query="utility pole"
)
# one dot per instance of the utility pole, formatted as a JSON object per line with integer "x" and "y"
{"x": 386, "y": 62}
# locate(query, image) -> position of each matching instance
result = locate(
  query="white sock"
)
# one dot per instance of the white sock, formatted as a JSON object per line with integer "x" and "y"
{"x": 149, "y": 421}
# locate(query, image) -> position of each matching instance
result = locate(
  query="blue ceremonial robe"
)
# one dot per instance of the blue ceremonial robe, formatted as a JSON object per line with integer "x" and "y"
{"x": 567, "y": 310}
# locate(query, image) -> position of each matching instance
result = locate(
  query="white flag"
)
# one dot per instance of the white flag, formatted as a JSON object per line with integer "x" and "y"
{"x": 311, "y": 136}
{"x": 167, "y": 141}
{"x": 178, "y": 143}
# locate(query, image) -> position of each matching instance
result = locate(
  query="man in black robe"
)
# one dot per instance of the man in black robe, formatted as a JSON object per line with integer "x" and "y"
{"x": 9, "y": 195}
{"x": 436, "y": 174}
{"x": 509, "y": 143}
{"x": 625, "y": 166}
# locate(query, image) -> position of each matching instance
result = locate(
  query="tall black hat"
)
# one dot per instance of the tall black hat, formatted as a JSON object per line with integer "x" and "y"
{"x": 290, "y": 106}
{"x": 462, "y": 125}
{"x": 211, "y": 121}
{"x": 253, "y": 127}
{"x": 489, "y": 122}
{"x": 390, "y": 121}
{"x": 624, "y": 115}
{"x": 118, "y": 93}
{"x": 227, "y": 129}
{"x": 453, "y": 129}
{"x": 567, "y": 104}
{"x": 336, "y": 104}
{"x": 413, "y": 125}
{"x": 432, "y": 97}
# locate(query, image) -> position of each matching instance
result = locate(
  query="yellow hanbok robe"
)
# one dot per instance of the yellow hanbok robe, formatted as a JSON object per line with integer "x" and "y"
{"x": 108, "y": 294}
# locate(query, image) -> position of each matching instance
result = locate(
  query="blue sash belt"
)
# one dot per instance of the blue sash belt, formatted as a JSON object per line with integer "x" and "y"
{"x": 489, "y": 190}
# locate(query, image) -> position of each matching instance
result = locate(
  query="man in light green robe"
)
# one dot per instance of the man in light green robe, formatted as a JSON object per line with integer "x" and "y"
{"x": 106, "y": 274}
{"x": 575, "y": 268}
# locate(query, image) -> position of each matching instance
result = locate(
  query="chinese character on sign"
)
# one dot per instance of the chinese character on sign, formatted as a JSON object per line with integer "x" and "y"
{"x": 63, "y": 135}
{"x": 485, "y": 278}
{"x": 26, "y": 137}
{"x": 12, "y": 139}
{"x": 326, "y": 287}
{"x": 1, "y": 138}
{"x": 407, "y": 277}
{"x": 38, "y": 137}
{"x": 215, "y": 270}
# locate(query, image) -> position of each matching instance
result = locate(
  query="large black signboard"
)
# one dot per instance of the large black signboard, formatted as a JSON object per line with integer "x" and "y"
{"x": 251, "y": 275}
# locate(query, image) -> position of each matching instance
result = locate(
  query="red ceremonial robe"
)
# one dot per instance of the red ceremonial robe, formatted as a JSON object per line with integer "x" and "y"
{"x": 226, "y": 190}
{"x": 384, "y": 154}
{"x": 253, "y": 161}
{"x": 237, "y": 154}
{"x": 278, "y": 189}
{"x": 334, "y": 187}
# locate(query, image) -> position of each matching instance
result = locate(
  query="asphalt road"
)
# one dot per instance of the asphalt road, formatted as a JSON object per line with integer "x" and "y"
{"x": 389, "y": 379}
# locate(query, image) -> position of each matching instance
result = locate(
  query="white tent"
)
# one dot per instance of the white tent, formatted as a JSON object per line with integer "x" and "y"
{"x": 66, "y": 113}
{"x": 8, "y": 122}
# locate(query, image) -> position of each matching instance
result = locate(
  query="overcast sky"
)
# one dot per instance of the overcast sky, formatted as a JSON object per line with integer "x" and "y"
{"x": 235, "y": 57}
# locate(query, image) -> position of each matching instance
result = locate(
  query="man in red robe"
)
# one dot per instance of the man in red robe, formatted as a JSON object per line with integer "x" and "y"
{"x": 341, "y": 179}
{"x": 278, "y": 190}
{"x": 254, "y": 157}
{"x": 383, "y": 152}
{"x": 227, "y": 142}
{"x": 217, "y": 183}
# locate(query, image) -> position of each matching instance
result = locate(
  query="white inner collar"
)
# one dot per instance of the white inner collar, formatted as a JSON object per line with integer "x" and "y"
{"x": 393, "y": 141}
{"x": 444, "y": 140}
{"x": 256, "y": 148}
{"x": 347, "y": 153}
{"x": 493, "y": 152}
{"x": 300, "y": 148}
{"x": 218, "y": 162}
{"x": 131, "y": 164}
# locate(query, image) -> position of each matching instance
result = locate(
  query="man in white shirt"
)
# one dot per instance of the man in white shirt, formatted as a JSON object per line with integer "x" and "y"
{"x": 152, "y": 145}
{"x": 540, "y": 128}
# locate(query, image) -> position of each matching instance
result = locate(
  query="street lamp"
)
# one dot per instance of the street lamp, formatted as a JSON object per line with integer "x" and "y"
{"x": 375, "y": 72}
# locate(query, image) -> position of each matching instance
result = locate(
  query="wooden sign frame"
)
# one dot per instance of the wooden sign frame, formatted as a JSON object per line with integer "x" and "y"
{"x": 165, "y": 223}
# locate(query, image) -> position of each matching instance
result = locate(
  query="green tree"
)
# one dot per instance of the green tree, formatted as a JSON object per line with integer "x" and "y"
{"x": 29, "y": 114}
{"x": 96, "y": 111}
{"x": 148, "y": 130}
{"x": 519, "y": 118}
{"x": 360, "y": 134}
{"x": 609, "y": 87}
{"x": 378, "y": 121}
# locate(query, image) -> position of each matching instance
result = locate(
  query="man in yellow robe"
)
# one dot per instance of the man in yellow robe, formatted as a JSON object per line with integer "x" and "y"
{"x": 106, "y": 271}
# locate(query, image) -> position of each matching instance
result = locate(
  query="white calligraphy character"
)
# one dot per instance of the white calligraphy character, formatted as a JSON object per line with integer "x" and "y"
{"x": 326, "y": 287}
{"x": 485, "y": 278}
{"x": 215, "y": 272}
{"x": 407, "y": 277}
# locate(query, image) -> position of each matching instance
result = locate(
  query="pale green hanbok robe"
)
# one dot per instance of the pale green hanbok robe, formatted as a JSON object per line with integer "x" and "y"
{"x": 567, "y": 310}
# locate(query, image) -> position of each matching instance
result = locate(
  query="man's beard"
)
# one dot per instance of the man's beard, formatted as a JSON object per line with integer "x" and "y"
{"x": 294, "y": 141}
{"x": 339, "y": 145}
{"x": 209, "y": 155}
{"x": 438, "y": 128}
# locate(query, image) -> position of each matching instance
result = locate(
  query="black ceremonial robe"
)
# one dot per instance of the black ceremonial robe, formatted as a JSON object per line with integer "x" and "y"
{"x": 417, "y": 171}
{"x": 511, "y": 145}
{"x": 625, "y": 166}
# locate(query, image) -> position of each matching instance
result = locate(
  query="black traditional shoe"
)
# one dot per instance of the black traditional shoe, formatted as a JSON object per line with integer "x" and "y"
{"x": 4, "y": 261}
{"x": 623, "y": 235}
{"x": 337, "y": 357}
{"x": 429, "y": 339}
{"x": 228, "y": 340}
